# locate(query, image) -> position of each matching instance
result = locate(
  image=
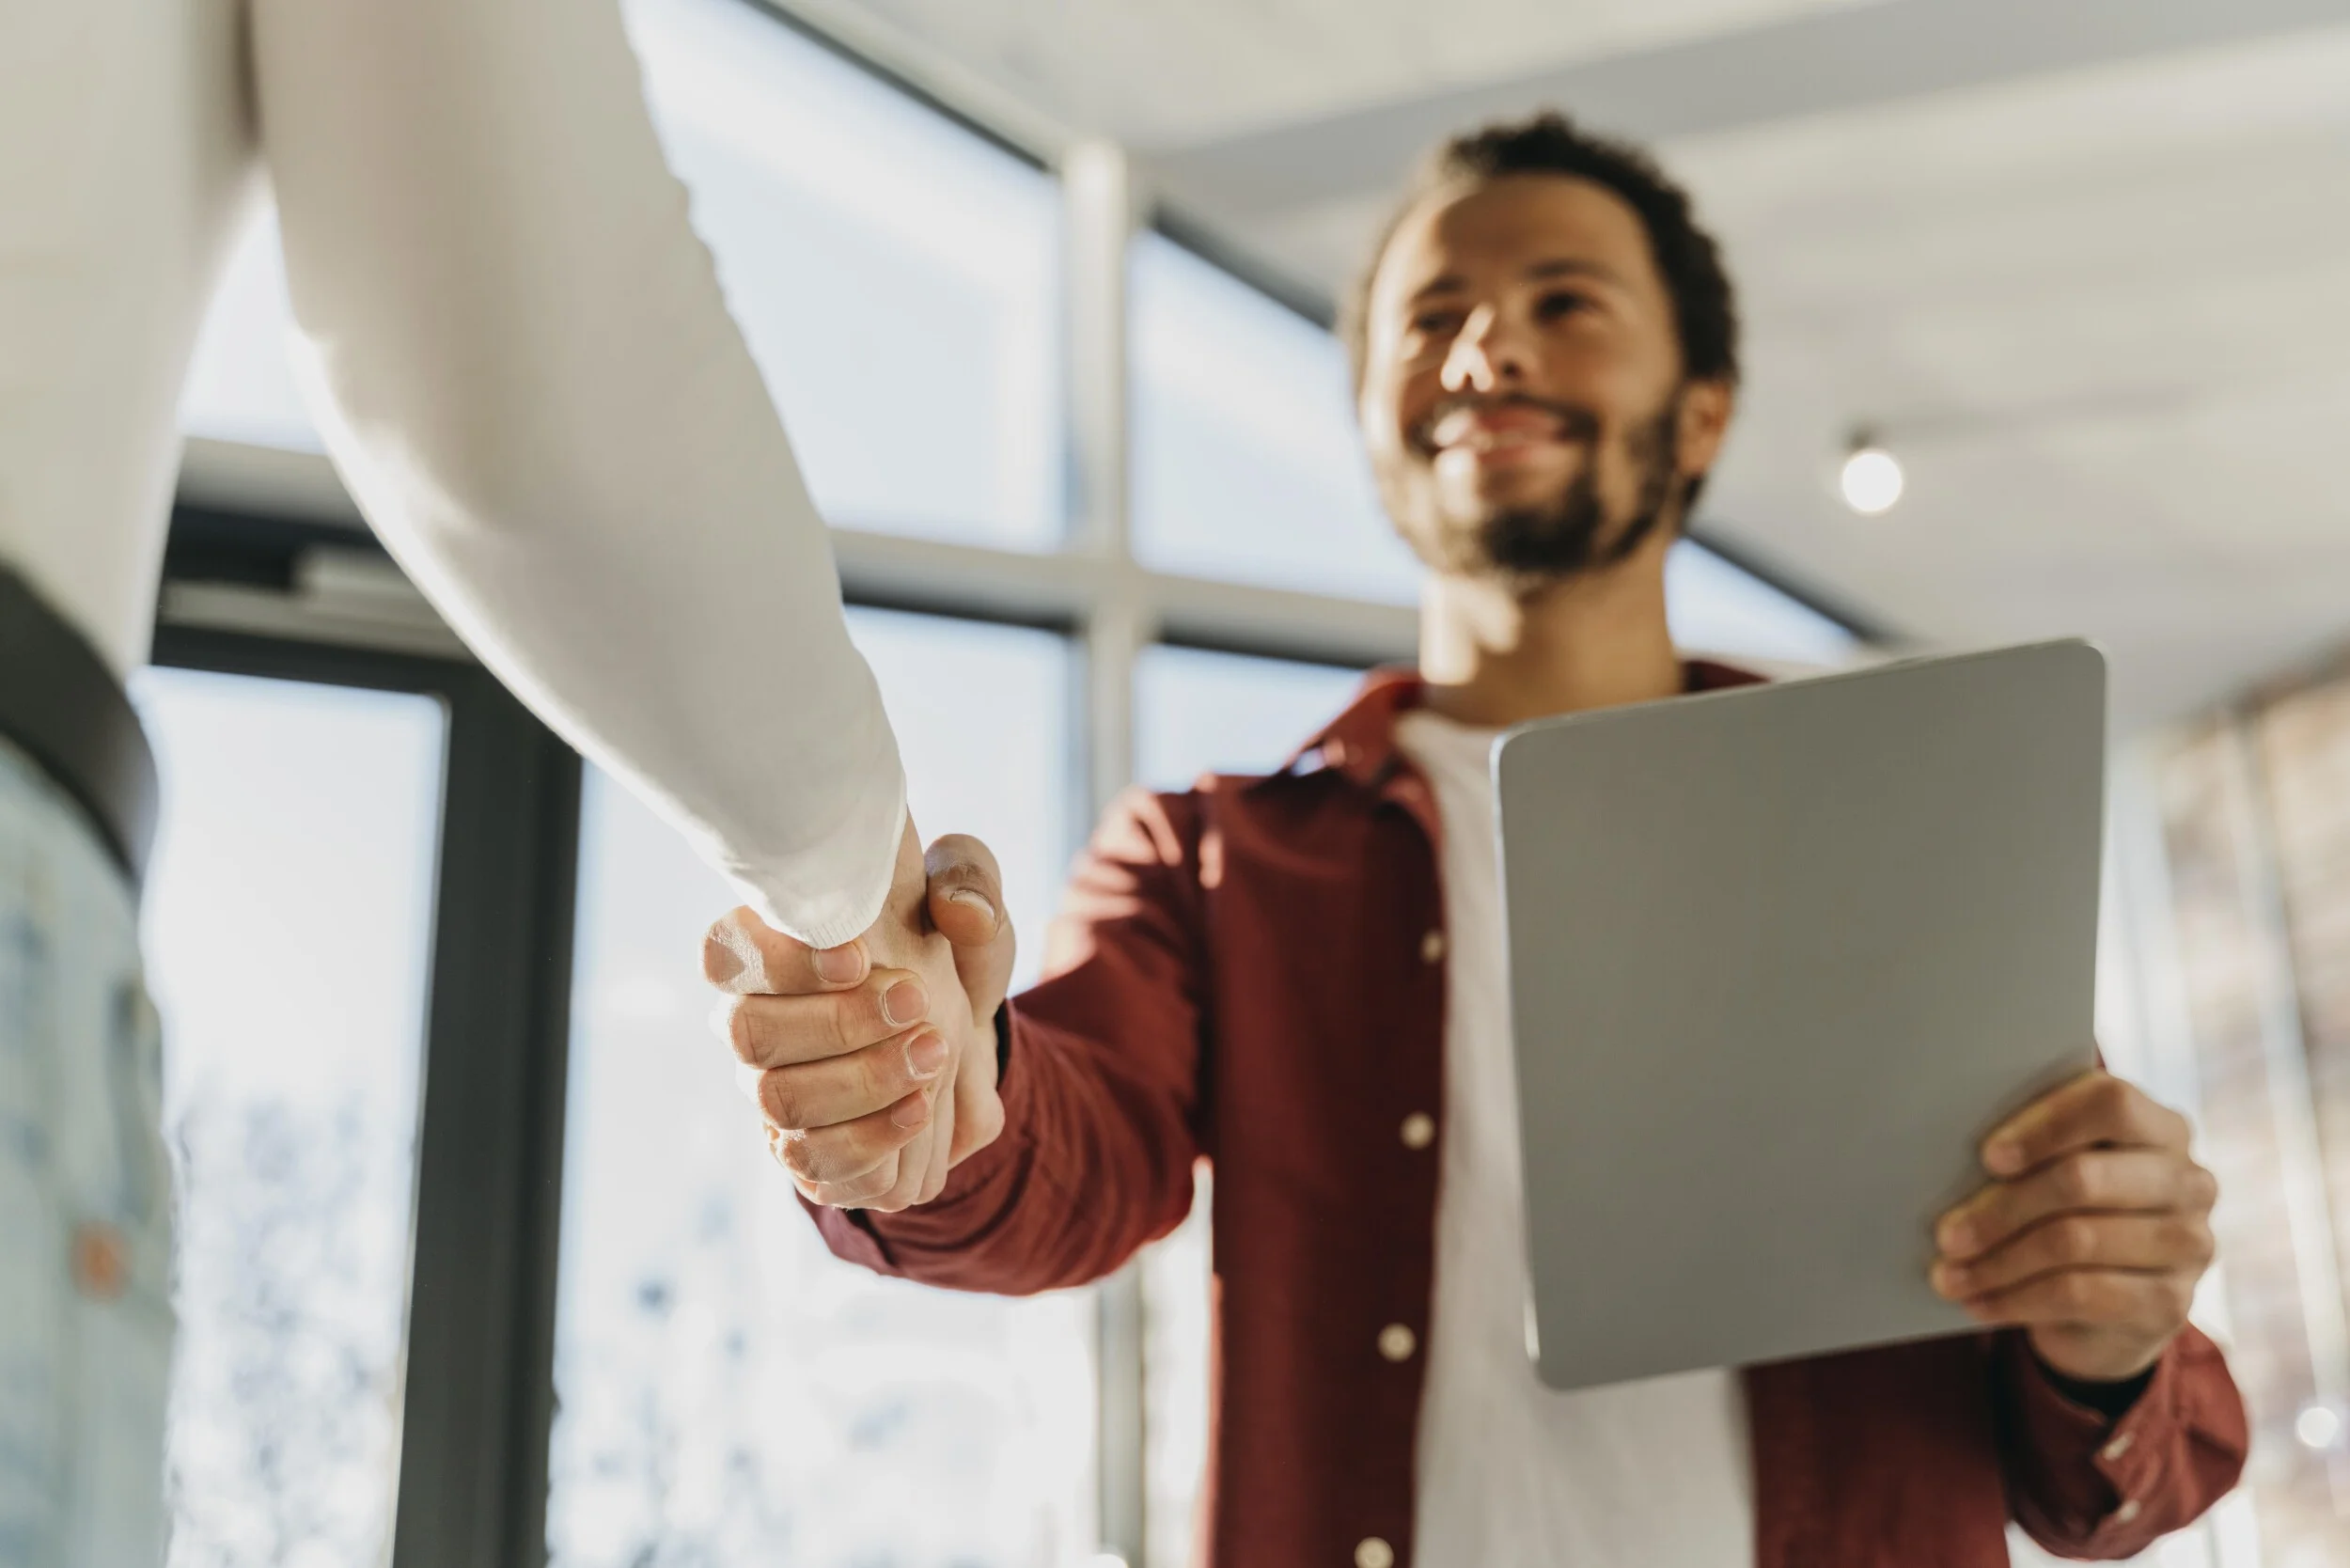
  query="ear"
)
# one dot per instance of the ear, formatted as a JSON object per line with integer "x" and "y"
{"x": 1705, "y": 410}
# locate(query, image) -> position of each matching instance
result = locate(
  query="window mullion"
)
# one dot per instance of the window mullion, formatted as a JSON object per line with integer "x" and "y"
{"x": 1099, "y": 210}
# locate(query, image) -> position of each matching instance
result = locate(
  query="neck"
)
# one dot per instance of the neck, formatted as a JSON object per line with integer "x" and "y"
{"x": 1495, "y": 654}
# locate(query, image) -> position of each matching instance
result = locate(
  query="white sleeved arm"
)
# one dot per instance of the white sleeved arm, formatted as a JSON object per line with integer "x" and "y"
{"x": 530, "y": 382}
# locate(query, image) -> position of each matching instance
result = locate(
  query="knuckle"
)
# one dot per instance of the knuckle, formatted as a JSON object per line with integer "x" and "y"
{"x": 780, "y": 1097}
{"x": 880, "y": 1071}
{"x": 2075, "y": 1240}
{"x": 2112, "y": 1096}
{"x": 2074, "y": 1181}
{"x": 2073, "y": 1291}
{"x": 868, "y": 1186}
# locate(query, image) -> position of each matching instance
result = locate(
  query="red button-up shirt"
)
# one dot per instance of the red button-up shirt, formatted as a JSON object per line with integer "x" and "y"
{"x": 1243, "y": 974}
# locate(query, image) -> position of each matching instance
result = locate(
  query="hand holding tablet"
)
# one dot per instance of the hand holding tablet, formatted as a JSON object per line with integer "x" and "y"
{"x": 2093, "y": 1235}
{"x": 1782, "y": 959}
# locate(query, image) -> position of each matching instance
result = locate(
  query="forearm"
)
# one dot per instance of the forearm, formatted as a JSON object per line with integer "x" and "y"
{"x": 532, "y": 385}
{"x": 2088, "y": 1484}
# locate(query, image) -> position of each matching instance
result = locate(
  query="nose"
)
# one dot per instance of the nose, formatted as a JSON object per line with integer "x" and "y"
{"x": 1487, "y": 355}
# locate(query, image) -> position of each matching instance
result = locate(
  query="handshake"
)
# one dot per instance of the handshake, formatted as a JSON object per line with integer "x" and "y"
{"x": 875, "y": 1063}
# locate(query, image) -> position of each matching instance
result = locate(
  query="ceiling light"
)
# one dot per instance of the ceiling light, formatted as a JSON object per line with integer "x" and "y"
{"x": 2317, "y": 1426}
{"x": 1871, "y": 479}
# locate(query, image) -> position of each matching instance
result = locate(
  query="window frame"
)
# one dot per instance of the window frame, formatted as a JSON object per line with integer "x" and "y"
{"x": 479, "y": 1393}
{"x": 244, "y": 593}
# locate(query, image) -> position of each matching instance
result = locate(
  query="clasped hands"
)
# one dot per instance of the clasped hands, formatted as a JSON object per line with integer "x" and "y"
{"x": 873, "y": 1065}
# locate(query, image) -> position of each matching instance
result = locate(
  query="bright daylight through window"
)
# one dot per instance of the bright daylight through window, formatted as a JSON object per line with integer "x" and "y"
{"x": 731, "y": 1394}
{"x": 287, "y": 922}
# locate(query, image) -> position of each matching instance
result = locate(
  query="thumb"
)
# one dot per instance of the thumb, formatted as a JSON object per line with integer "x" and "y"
{"x": 966, "y": 904}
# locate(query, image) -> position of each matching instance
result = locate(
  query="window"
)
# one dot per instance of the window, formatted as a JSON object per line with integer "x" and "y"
{"x": 1197, "y": 712}
{"x": 1246, "y": 463}
{"x": 1716, "y": 608}
{"x": 731, "y": 1394}
{"x": 894, "y": 277}
{"x": 288, "y": 917}
{"x": 241, "y": 384}
{"x": 895, "y": 274}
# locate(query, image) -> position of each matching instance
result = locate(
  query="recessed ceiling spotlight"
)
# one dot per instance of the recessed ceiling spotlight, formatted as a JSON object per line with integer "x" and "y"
{"x": 2317, "y": 1426}
{"x": 1871, "y": 479}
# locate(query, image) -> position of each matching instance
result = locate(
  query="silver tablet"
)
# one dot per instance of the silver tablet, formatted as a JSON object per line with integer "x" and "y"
{"x": 1779, "y": 956}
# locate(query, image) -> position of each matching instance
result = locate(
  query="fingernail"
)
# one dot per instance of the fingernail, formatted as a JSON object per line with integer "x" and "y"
{"x": 1957, "y": 1236}
{"x": 971, "y": 898}
{"x": 926, "y": 1056}
{"x": 903, "y": 1003}
{"x": 1948, "y": 1280}
{"x": 841, "y": 965}
{"x": 2002, "y": 1158}
{"x": 912, "y": 1111}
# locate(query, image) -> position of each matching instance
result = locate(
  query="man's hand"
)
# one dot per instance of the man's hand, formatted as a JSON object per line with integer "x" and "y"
{"x": 2091, "y": 1235}
{"x": 875, "y": 1063}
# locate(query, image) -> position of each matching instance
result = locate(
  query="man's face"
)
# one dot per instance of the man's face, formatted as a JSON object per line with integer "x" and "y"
{"x": 1523, "y": 398}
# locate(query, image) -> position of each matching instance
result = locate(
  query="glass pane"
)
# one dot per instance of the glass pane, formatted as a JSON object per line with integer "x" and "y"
{"x": 1718, "y": 608}
{"x": 731, "y": 1394}
{"x": 1248, "y": 468}
{"x": 241, "y": 384}
{"x": 288, "y": 929}
{"x": 1199, "y": 713}
{"x": 894, "y": 274}
{"x": 1246, "y": 460}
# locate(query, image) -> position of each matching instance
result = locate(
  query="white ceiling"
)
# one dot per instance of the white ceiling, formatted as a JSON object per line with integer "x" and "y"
{"x": 2085, "y": 262}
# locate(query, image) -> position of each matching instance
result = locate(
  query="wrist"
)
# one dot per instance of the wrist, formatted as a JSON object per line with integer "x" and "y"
{"x": 2110, "y": 1396}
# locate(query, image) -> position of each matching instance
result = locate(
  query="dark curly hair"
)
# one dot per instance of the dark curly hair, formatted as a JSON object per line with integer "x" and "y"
{"x": 1704, "y": 308}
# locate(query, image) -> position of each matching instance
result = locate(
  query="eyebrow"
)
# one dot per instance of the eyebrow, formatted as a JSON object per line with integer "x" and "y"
{"x": 1571, "y": 266}
{"x": 1562, "y": 266}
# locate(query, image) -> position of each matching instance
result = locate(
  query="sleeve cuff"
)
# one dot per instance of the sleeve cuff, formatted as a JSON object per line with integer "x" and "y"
{"x": 2099, "y": 1469}
{"x": 832, "y": 893}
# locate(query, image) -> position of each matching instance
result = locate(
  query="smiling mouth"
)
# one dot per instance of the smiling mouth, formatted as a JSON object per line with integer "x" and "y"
{"x": 1499, "y": 432}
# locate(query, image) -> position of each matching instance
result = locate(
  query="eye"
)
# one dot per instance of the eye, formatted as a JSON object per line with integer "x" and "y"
{"x": 1436, "y": 324}
{"x": 1560, "y": 303}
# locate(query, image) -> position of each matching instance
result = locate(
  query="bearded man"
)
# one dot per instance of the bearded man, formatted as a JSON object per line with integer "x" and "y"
{"x": 1300, "y": 978}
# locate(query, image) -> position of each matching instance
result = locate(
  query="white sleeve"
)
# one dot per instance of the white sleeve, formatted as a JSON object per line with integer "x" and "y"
{"x": 527, "y": 376}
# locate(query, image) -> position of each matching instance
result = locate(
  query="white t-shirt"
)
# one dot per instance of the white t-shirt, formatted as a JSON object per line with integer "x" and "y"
{"x": 1636, "y": 1476}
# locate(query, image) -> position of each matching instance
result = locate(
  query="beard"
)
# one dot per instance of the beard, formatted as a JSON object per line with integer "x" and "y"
{"x": 1571, "y": 532}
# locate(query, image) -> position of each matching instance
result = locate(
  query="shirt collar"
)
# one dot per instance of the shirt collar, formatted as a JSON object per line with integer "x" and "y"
{"x": 1360, "y": 741}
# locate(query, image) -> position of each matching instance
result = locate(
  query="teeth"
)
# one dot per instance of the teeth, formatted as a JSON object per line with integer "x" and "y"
{"x": 1478, "y": 439}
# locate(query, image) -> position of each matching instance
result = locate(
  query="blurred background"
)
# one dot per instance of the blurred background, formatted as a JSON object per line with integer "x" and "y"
{"x": 2048, "y": 307}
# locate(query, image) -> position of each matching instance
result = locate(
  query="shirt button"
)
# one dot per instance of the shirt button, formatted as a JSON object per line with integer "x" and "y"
{"x": 1419, "y": 1130}
{"x": 1397, "y": 1343}
{"x": 1432, "y": 948}
{"x": 2122, "y": 1515}
{"x": 2120, "y": 1446}
{"x": 1371, "y": 1552}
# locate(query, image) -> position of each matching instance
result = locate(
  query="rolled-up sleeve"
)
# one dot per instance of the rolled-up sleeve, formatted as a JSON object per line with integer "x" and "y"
{"x": 2087, "y": 1485}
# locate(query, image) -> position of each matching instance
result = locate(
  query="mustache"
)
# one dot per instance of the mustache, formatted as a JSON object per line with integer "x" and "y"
{"x": 1574, "y": 423}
